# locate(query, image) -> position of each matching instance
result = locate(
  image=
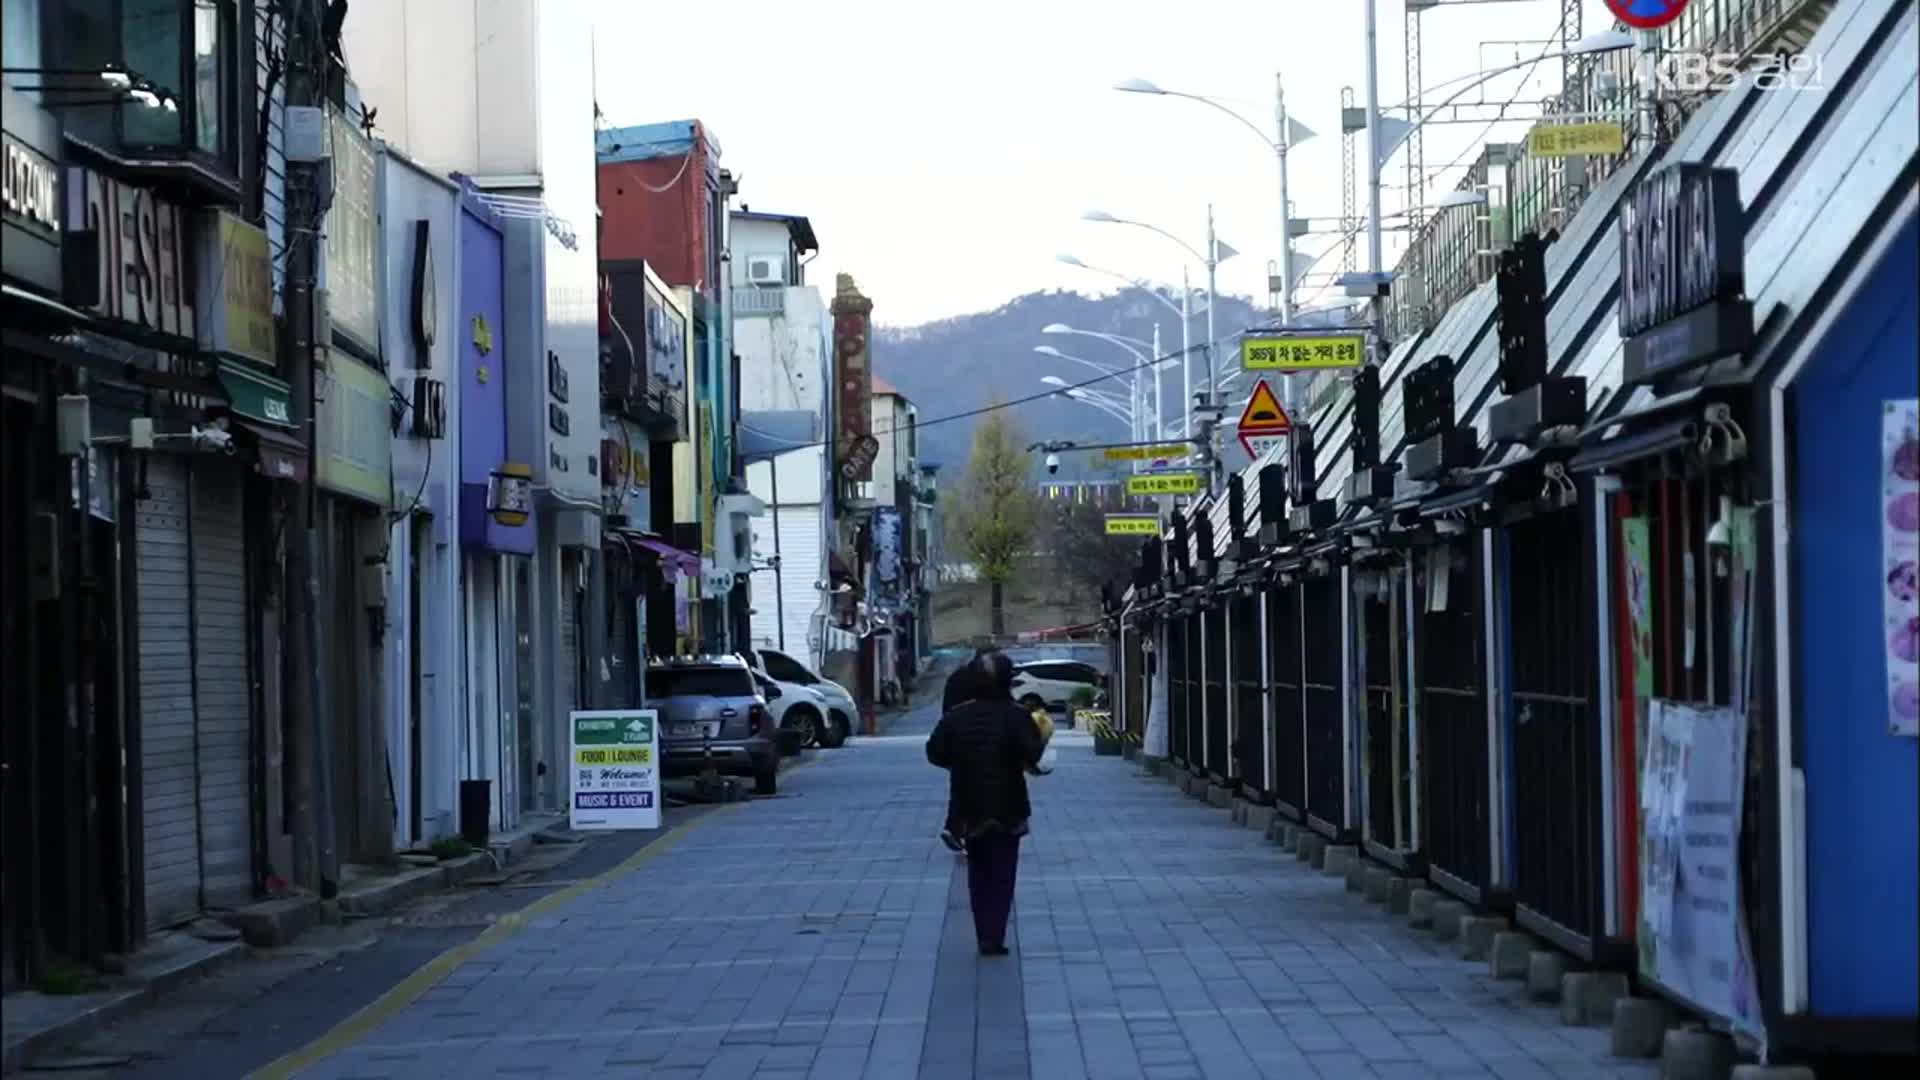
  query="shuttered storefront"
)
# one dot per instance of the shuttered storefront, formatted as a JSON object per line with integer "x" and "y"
{"x": 193, "y": 689}
{"x": 223, "y": 694}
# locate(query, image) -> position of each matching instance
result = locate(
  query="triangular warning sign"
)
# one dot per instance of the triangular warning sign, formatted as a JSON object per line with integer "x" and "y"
{"x": 1263, "y": 414}
{"x": 1263, "y": 423}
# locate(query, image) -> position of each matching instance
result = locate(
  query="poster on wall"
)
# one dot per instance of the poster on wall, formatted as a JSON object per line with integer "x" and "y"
{"x": 616, "y": 774}
{"x": 1692, "y": 935}
{"x": 1900, "y": 548}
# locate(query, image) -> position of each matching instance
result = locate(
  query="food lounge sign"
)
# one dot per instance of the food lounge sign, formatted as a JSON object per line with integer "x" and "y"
{"x": 142, "y": 247}
{"x": 1683, "y": 245}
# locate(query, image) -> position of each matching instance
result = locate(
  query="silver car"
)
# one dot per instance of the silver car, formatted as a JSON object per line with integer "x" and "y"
{"x": 712, "y": 716}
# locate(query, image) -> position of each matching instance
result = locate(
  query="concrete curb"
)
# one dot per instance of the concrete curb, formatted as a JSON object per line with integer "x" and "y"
{"x": 1260, "y": 817}
{"x": 108, "y": 1006}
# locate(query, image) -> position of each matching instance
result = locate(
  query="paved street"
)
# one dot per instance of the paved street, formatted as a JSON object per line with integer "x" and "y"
{"x": 825, "y": 934}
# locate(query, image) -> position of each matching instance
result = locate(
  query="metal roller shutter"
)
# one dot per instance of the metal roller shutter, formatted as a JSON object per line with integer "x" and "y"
{"x": 170, "y": 861}
{"x": 220, "y": 665}
{"x": 569, "y": 631}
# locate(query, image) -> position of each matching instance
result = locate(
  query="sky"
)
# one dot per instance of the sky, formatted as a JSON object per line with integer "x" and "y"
{"x": 946, "y": 153}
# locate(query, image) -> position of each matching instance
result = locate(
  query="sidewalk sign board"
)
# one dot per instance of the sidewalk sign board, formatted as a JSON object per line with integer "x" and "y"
{"x": 616, "y": 769}
{"x": 1263, "y": 423}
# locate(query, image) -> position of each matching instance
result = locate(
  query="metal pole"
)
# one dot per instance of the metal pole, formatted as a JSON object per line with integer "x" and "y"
{"x": 1288, "y": 385}
{"x": 1159, "y": 414}
{"x": 1186, "y": 352}
{"x": 779, "y": 592}
{"x": 1213, "y": 261}
{"x": 1373, "y": 171}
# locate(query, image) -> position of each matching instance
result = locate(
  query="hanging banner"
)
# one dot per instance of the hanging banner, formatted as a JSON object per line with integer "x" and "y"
{"x": 1692, "y": 929}
{"x": 1290, "y": 351}
{"x": 616, "y": 770}
{"x": 1146, "y": 453}
{"x": 1172, "y": 483}
{"x": 1900, "y": 551}
{"x": 1132, "y": 525}
{"x": 1575, "y": 140}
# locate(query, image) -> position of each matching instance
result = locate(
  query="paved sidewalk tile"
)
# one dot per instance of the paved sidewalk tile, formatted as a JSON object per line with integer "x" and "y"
{"x": 827, "y": 935}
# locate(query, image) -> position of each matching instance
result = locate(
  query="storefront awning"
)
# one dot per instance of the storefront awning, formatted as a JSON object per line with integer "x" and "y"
{"x": 1670, "y": 435}
{"x": 670, "y": 556}
{"x": 278, "y": 455}
{"x": 256, "y": 395}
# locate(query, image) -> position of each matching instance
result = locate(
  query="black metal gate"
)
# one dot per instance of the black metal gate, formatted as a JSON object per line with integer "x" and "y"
{"x": 1453, "y": 658}
{"x": 1178, "y": 674}
{"x": 1389, "y": 787}
{"x": 1249, "y": 729}
{"x": 1215, "y": 716}
{"x": 1556, "y": 741}
{"x": 1283, "y": 683}
{"x": 1326, "y": 731}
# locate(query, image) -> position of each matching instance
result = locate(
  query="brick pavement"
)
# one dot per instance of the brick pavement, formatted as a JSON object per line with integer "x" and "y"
{"x": 824, "y": 934}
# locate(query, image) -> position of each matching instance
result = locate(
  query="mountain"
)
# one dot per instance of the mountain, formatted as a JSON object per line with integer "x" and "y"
{"x": 950, "y": 367}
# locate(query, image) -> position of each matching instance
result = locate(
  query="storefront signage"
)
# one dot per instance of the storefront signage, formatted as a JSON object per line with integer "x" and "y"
{"x": 1132, "y": 525}
{"x": 616, "y": 770}
{"x": 715, "y": 581}
{"x": 142, "y": 246}
{"x": 355, "y": 415}
{"x": 1683, "y": 252}
{"x": 425, "y": 323}
{"x": 33, "y": 183}
{"x": 1301, "y": 352}
{"x": 236, "y": 284}
{"x": 1168, "y": 483}
{"x": 1576, "y": 140}
{"x": 853, "y": 376}
{"x": 510, "y": 494}
{"x": 353, "y": 239}
{"x": 32, "y": 189}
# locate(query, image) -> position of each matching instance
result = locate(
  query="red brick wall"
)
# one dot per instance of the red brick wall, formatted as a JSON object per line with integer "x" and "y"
{"x": 666, "y": 228}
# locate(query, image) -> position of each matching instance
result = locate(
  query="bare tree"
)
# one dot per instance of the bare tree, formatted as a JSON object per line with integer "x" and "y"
{"x": 1083, "y": 555}
{"x": 993, "y": 514}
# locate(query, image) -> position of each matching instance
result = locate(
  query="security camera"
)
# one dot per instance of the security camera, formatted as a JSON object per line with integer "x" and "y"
{"x": 212, "y": 439}
{"x": 1053, "y": 464}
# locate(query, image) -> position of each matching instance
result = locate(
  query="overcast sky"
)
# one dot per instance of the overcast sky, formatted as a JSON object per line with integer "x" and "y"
{"x": 945, "y": 153}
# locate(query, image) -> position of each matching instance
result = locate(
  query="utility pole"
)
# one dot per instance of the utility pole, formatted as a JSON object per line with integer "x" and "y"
{"x": 315, "y": 860}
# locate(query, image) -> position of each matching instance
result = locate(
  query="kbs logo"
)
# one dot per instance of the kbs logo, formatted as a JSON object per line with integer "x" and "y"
{"x": 1705, "y": 73}
{"x": 1646, "y": 14}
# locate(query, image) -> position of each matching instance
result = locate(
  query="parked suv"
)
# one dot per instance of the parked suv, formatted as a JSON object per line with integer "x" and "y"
{"x": 712, "y": 713}
{"x": 1051, "y": 684}
{"x": 837, "y": 722}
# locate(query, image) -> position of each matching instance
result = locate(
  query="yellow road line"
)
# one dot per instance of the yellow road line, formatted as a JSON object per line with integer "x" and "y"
{"x": 386, "y": 1006}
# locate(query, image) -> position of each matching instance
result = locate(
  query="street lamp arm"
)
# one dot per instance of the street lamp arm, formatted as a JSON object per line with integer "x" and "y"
{"x": 1138, "y": 283}
{"x": 1248, "y": 124}
{"x": 1191, "y": 250}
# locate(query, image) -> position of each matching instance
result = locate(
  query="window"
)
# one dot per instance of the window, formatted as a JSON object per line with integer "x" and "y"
{"x": 785, "y": 668}
{"x": 698, "y": 682}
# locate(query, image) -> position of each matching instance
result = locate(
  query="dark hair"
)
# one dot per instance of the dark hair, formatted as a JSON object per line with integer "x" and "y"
{"x": 995, "y": 674}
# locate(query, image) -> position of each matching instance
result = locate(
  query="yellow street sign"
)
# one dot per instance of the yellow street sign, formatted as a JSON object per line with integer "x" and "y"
{"x": 1169, "y": 483}
{"x": 1299, "y": 352}
{"x": 1146, "y": 453}
{"x": 1574, "y": 140}
{"x": 1132, "y": 525}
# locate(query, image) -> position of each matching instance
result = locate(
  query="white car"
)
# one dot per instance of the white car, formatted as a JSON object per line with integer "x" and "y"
{"x": 831, "y": 710}
{"x": 1051, "y": 684}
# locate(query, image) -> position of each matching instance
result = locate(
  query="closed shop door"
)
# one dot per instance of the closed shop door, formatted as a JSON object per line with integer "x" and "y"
{"x": 1452, "y": 662}
{"x": 569, "y": 661}
{"x": 1285, "y": 674}
{"x": 170, "y": 835}
{"x": 1326, "y": 732}
{"x": 225, "y": 724}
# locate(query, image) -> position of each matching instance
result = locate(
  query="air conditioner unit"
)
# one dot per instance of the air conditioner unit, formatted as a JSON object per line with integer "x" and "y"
{"x": 766, "y": 270}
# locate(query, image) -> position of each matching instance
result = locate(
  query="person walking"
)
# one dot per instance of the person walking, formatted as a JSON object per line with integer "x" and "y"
{"x": 964, "y": 685}
{"x": 988, "y": 745}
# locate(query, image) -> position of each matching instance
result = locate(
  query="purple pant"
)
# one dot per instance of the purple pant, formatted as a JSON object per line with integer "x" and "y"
{"x": 992, "y": 860}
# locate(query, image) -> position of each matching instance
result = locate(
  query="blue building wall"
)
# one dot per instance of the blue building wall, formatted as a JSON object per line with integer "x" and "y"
{"x": 1863, "y": 807}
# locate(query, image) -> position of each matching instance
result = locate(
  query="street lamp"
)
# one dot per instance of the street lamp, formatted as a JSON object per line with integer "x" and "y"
{"x": 1217, "y": 252}
{"x": 1146, "y": 353}
{"x": 1133, "y": 382}
{"x": 1378, "y": 152}
{"x": 1139, "y": 283}
{"x": 1287, "y": 131}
